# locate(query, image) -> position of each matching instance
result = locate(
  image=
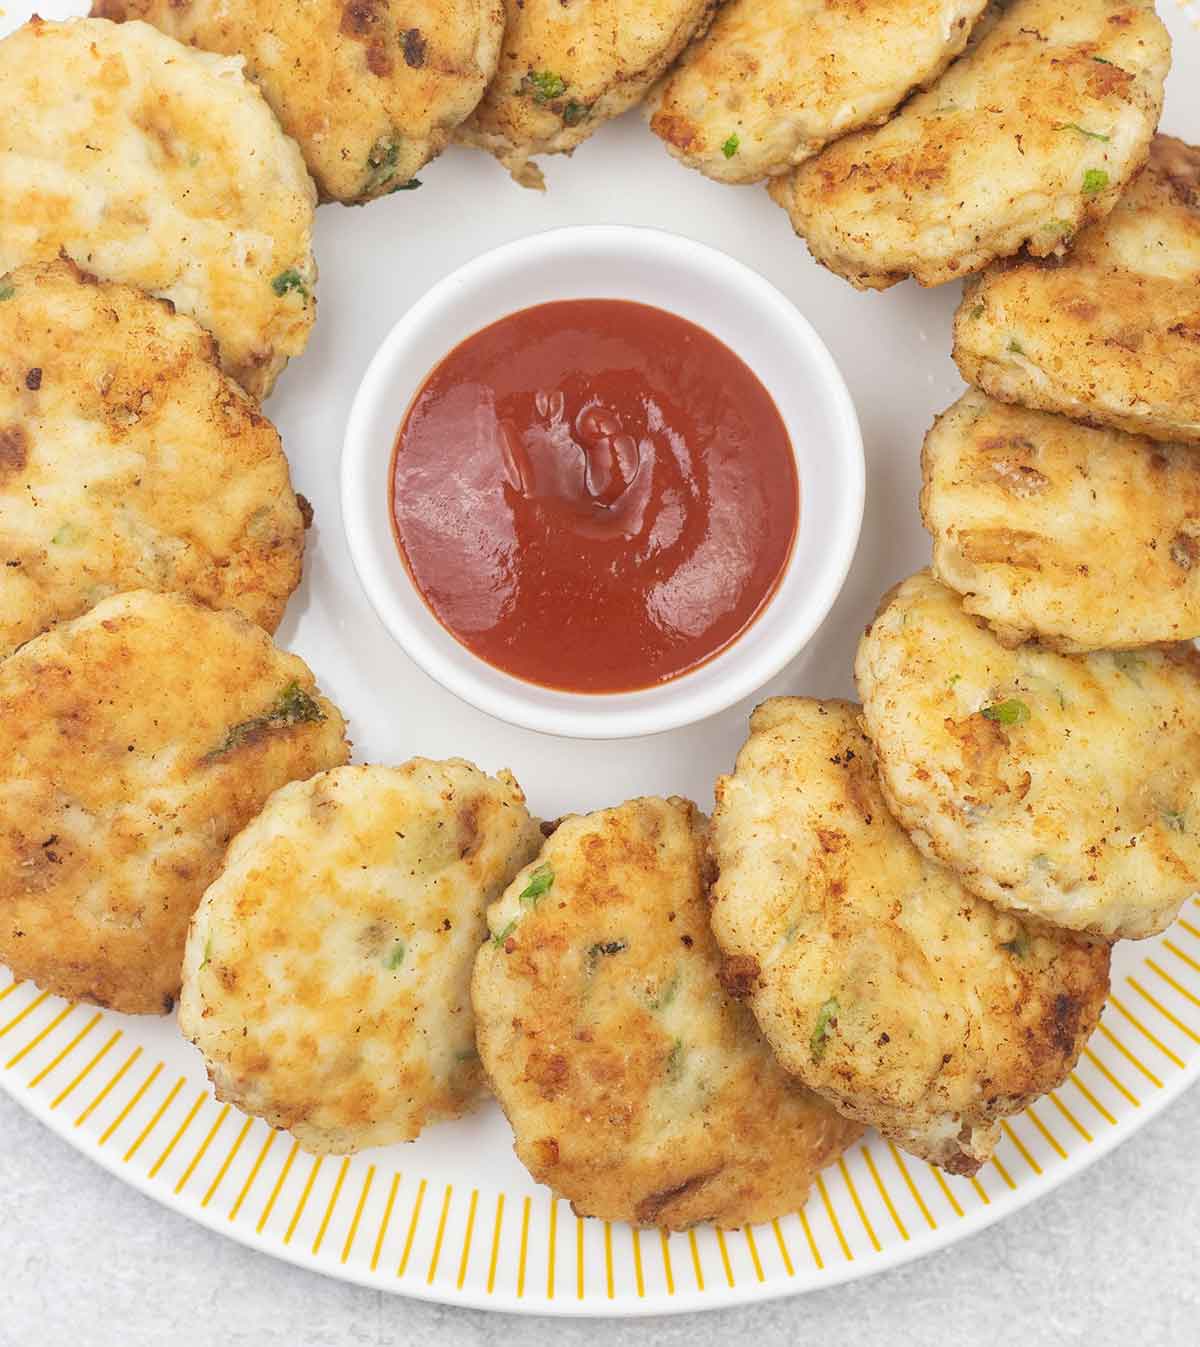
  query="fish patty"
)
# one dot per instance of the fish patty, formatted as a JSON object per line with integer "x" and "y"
{"x": 878, "y": 980}
{"x": 118, "y": 431}
{"x": 135, "y": 741}
{"x": 770, "y": 84}
{"x": 1067, "y": 786}
{"x": 636, "y": 1084}
{"x": 327, "y": 979}
{"x": 1030, "y": 135}
{"x": 160, "y": 166}
{"x": 1087, "y": 539}
{"x": 371, "y": 90}
{"x": 566, "y": 69}
{"x": 1111, "y": 333}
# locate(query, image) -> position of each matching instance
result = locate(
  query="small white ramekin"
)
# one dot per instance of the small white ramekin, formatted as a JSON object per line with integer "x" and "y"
{"x": 703, "y": 285}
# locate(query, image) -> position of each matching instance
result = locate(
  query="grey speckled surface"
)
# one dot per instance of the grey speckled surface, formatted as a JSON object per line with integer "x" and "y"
{"x": 1110, "y": 1258}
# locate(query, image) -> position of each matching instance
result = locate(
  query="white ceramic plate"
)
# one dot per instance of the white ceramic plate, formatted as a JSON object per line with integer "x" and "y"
{"x": 454, "y": 1217}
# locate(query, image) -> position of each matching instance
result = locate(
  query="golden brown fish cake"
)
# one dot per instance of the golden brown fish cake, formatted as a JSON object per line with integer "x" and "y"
{"x": 371, "y": 90}
{"x": 160, "y": 166}
{"x": 1067, "y": 786}
{"x": 1032, "y": 134}
{"x": 566, "y": 69}
{"x": 636, "y": 1084}
{"x": 1111, "y": 333}
{"x": 135, "y": 741}
{"x": 327, "y": 979}
{"x": 118, "y": 432}
{"x": 1087, "y": 539}
{"x": 770, "y": 84}
{"x": 878, "y": 980}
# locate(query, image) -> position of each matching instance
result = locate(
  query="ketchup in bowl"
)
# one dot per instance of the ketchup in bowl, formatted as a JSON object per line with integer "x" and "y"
{"x": 594, "y": 495}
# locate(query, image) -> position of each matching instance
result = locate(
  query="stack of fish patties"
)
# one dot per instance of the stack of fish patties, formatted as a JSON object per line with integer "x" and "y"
{"x": 1063, "y": 491}
{"x": 880, "y": 980}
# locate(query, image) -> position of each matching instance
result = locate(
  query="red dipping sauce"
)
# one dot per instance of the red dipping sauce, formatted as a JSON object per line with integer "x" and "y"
{"x": 594, "y": 495}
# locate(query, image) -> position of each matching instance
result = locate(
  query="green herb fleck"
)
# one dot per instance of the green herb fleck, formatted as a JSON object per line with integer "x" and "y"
{"x": 66, "y": 535}
{"x": 410, "y": 186}
{"x": 396, "y": 957}
{"x": 954, "y": 678}
{"x": 1101, "y": 61}
{"x": 1015, "y": 346}
{"x": 1062, "y": 700}
{"x": 979, "y": 310}
{"x": 1017, "y": 946}
{"x": 293, "y": 706}
{"x": 541, "y": 881}
{"x": 826, "y": 1021}
{"x": 543, "y": 85}
{"x": 1130, "y": 665}
{"x": 574, "y": 112}
{"x": 193, "y": 158}
{"x": 1083, "y": 131}
{"x": 289, "y": 280}
{"x": 207, "y": 953}
{"x": 730, "y": 148}
{"x": 1058, "y": 227}
{"x": 7, "y": 290}
{"x": 381, "y": 162}
{"x": 1174, "y": 820}
{"x": 470, "y": 1055}
{"x": 1094, "y": 180}
{"x": 601, "y": 949}
{"x": 1010, "y": 712}
{"x": 675, "y": 1060}
{"x": 501, "y": 936}
{"x": 667, "y": 995}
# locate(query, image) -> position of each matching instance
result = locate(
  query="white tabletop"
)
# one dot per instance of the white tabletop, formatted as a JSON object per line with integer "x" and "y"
{"x": 1109, "y": 1258}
